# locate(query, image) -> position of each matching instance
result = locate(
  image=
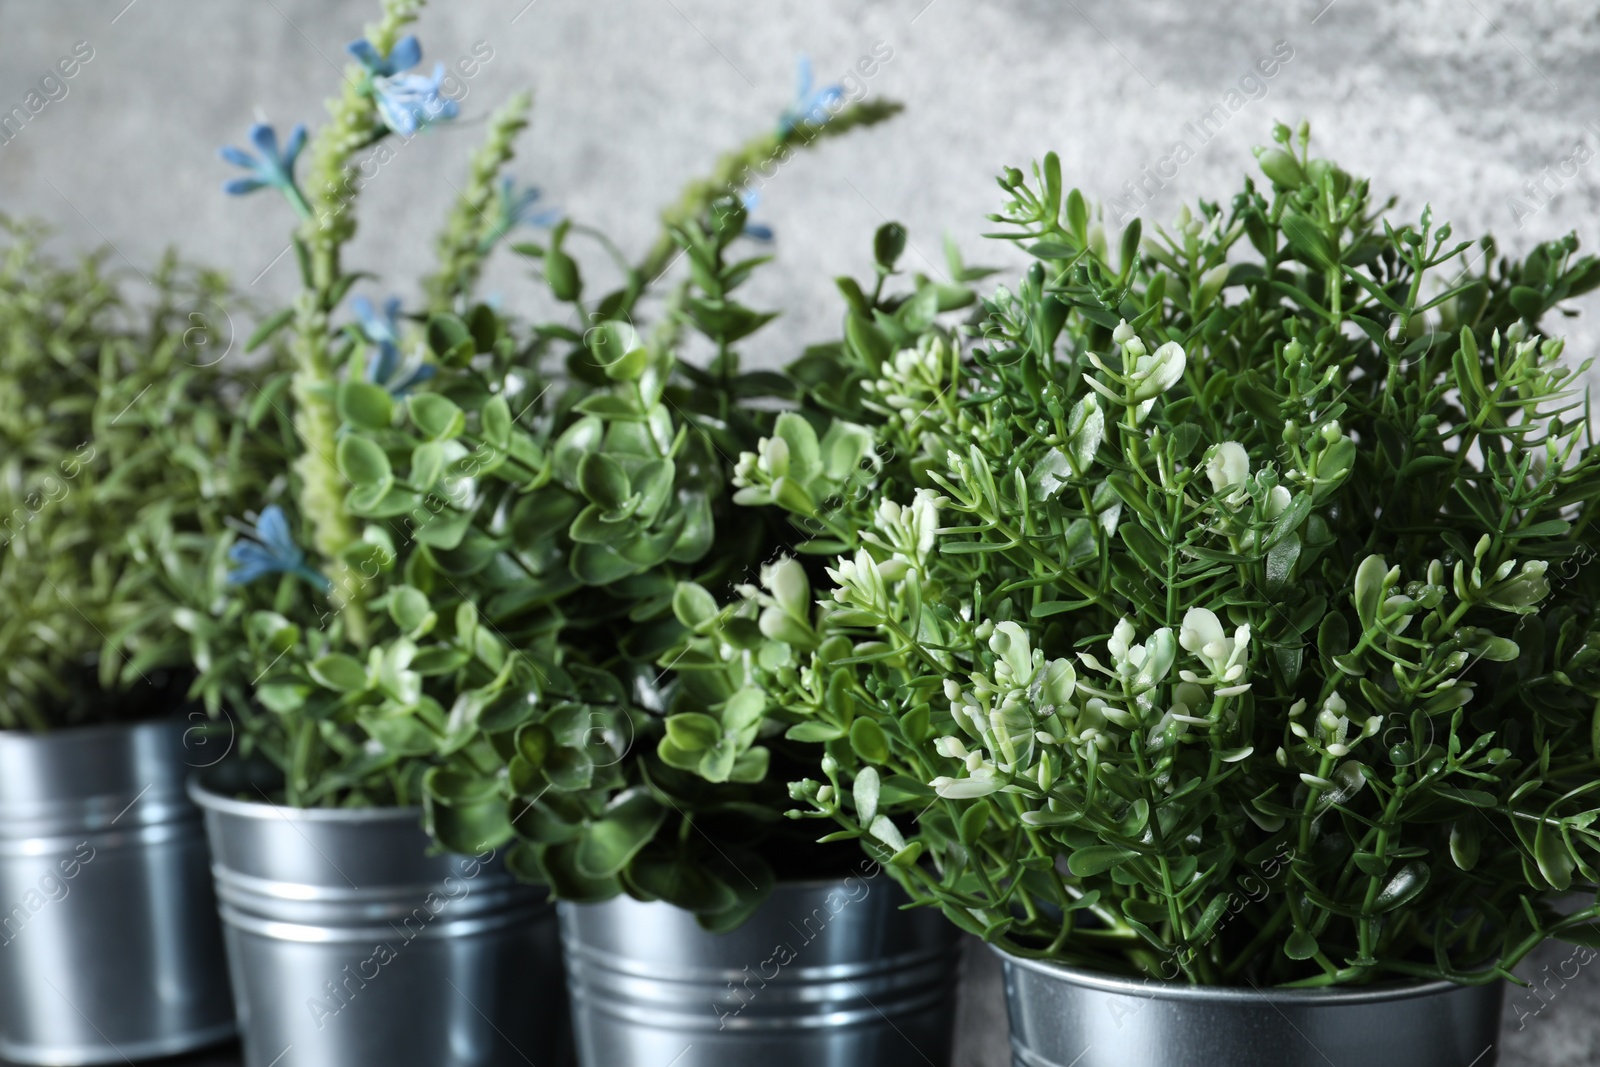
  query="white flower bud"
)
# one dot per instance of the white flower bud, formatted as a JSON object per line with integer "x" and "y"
{"x": 1228, "y": 466}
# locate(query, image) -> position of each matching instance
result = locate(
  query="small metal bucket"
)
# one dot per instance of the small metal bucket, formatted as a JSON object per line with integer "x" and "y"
{"x": 1063, "y": 1016}
{"x": 109, "y": 945}
{"x": 824, "y": 973}
{"x": 350, "y": 945}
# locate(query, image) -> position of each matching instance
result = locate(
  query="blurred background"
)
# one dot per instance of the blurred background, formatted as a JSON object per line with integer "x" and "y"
{"x": 1484, "y": 108}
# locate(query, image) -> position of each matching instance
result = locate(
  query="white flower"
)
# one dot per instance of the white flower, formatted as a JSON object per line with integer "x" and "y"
{"x": 1336, "y": 725}
{"x": 950, "y": 748}
{"x": 978, "y": 785}
{"x": 1016, "y": 659}
{"x": 907, "y": 532}
{"x": 860, "y": 585}
{"x": 1277, "y": 501}
{"x": 1157, "y": 372}
{"x": 1229, "y": 467}
{"x": 912, "y": 382}
{"x": 774, "y": 456}
{"x": 1121, "y": 640}
{"x": 1202, "y": 634}
{"x": 1142, "y": 665}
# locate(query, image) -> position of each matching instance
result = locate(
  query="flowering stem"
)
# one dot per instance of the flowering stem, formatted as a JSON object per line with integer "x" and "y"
{"x": 328, "y": 224}
{"x": 739, "y": 169}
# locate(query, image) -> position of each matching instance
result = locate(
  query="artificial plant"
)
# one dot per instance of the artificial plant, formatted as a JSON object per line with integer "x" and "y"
{"x": 498, "y": 514}
{"x": 1219, "y": 611}
{"x": 124, "y": 443}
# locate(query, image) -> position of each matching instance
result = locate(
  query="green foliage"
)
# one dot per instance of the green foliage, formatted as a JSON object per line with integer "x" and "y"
{"x": 507, "y": 534}
{"x": 1216, "y": 610}
{"x": 122, "y": 448}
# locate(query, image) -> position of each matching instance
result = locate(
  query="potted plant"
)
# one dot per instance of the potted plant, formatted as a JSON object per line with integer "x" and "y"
{"x": 122, "y": 444}
{"x": 1215, "y": 640}
{"x": 314, "y": 633}
{"x": 673, "y": 869}
{"x": 490, "y": 552}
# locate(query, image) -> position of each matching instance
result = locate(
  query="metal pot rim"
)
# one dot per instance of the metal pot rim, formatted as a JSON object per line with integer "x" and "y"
{"x": 1155, "y": 989}
{"x": 61, "y": 734}
{"x": 258, "y": 809}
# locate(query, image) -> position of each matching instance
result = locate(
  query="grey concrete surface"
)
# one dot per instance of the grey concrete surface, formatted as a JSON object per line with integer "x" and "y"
{"x": 1486, "y": 109}
{"x": 1455, "y": 102}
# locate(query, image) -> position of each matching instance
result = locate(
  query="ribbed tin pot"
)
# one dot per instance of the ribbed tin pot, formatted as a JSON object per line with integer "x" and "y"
{"x": 349, "y": 944}
{"x": 824, "y": 974}
{"x": 109, "y": 945}
{"x": 1063, "y": 1016}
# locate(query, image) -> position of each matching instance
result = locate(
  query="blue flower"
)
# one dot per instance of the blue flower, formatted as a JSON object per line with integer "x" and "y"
{"x": 814, "y": 107}
{"x": 756, "y": 231}
{"x": 272, "y": 552}
{"x": 408, "y": 102}
{"x": 407, "y": 53}
{"x": 379, "y": 329}
{"x": 515, "y": 207}
{"x": 387, "y": 368}
{"x": 270, "y": 166}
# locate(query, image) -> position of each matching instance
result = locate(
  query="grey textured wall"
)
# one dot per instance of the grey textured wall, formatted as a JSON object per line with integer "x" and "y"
{"x": 1461, "y": 103}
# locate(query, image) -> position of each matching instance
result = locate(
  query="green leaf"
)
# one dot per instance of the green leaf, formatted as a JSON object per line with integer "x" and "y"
{"x": 600, "y": 565}
{"x": 1405, "y": 886}
{"x": 868, "y": 741}
{"x": 888, "y": 244}
{"x": 438, "y": 660}
{"x": 427, "y": 464}
{"x": 682, "y": 882}
{"x": 1308, "y": 241}
{"x": 693, "y": 731}
{"x": 558, "y": 867}
{"x": 693, "y": 605}
{"x": 437, "y": 416}
{"x": 495, "y": 418}
{"x": 610, "y": 843}
{"x": 448, "y": 337}
{"x": 1550, "y": 852}
{"x": 751, "y": 766}
{"x": 409, "y": 608}
{"x": 269, "y": 326}
{"x": 1369, "y": 590}
{"x": 563, "y": 276}
{"x": 617, "y": 351}
{"x": 1528, "y": 302}
{"x": 603, "y": 480}
{"x": 365, "y": 405}
{"x": 363, "y": 462}
{"x": 1301, "y": 945}
{"x": 338, "y": 671}
{"x": 445, "y": 530}
{"x": 1465, "y": 844}
{"x": 867, "y": 341}
{"x": 742, "y": 712}
{"x": 814, "y": 731}
{"x": 1097, "y": 859}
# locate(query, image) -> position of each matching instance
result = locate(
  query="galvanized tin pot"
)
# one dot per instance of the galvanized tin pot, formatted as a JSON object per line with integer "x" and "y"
{"x": 825, "y": 974}
{"x": 109, "y": 945}
{"x": 350, "y": 945}
{"x": 1062, "y": 1016}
